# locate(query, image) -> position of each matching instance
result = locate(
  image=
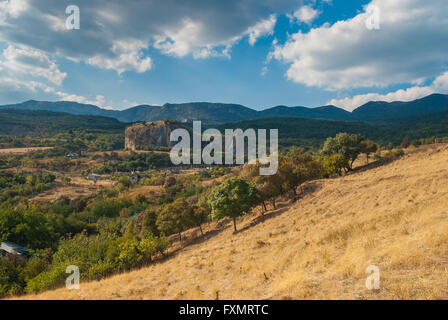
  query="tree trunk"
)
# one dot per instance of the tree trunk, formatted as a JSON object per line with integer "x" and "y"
{"x": 351, "y": 164}
{"x": 180, "y": 236}
{"x": 200, "y": 228}
{"x": 264, "y": 206}
{"x": 234, "y": 224}
{"x": 273, "y": 203}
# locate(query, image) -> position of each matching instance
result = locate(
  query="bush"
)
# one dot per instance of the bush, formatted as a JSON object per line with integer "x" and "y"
{"x": 11, "y": 280}
{"x": 394, "y": 154}
{"x": 333, "y": 164}
{"x": 47, "y": 280}
{"x": 101, "y": 270}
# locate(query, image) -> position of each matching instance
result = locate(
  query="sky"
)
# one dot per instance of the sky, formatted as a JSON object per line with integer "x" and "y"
{"x": 258, "y": 53}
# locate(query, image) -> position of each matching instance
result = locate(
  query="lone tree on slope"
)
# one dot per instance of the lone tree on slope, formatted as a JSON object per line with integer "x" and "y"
{"x": 232, "y": 198}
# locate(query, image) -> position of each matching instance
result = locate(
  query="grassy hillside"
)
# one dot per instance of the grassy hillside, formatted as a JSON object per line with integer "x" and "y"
{"x": 393, "y": 216}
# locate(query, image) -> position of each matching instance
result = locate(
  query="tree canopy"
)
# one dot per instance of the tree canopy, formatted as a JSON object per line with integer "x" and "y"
{"x": 232, "y": 198}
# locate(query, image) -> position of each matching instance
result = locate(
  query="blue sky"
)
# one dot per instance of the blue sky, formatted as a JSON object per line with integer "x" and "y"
{"x": 256, "y": 53}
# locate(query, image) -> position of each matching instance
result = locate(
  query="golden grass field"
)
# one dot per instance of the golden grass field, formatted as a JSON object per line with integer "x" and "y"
{"x": 78, "y": 186}
{"x": 22, "y": 150}
{"x": 394, "y": 216}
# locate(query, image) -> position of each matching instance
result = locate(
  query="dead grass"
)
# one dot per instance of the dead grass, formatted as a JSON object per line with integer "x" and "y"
{"x": 394, "y": 216}
{"x": 77, "y": 187}
{"x": 22, "y": 150}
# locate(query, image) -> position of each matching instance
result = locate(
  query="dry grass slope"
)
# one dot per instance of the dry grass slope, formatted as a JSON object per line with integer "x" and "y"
{"x": 394, "y": 216}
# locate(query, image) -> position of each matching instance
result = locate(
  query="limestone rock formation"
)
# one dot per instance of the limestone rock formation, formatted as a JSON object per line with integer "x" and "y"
{"x": 141, "y": 136}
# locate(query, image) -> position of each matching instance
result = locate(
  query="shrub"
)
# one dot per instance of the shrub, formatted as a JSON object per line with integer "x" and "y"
{"x": 47, "y": 280}
{"x": 101, "y": 270}
{"x": 333, "y": 164}
{"x": 394, "y": 154}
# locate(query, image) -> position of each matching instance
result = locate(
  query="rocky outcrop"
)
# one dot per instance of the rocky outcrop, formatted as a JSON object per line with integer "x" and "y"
{"x": 141, "y": 136}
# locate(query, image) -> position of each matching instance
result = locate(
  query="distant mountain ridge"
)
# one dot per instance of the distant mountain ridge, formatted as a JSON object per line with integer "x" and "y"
{"x": 225, "y": 113}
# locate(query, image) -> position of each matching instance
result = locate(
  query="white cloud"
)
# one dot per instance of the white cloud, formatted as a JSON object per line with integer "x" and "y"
{"x": 127, "y": 56}
{"x": 99, "y": 100}
{"x": 35, "y": 63}
{"x": 409, "y": 48}
{"x": 264, "y": 71}
{"x": 409, "y": 94}
{"x": 262, "y": 28}
{"x": 191, "y": 38}
{"x": 26, "y": 72}
{"x": 306, "y": 14}
{"x": 441, "y": 82}
{"x": 202, "y": 28}
{"x": 12, "y": 8}
{"x": 440, "y": 85}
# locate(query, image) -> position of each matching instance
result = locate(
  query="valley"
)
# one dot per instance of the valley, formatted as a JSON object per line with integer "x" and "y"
{"x": 392, "y": 216}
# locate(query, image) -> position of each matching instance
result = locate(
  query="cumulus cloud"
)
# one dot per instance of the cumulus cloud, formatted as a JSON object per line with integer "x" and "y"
{"x": 11, "y": 8}
{"x": 202, "y": 28}
{"x": 119, "y": 35}
{"x": 262, "y": 28}
{"x": 305, "y": 14}
{"x": 99, "y": 100}
{"x": 351, "y": 103}
{"x": 26, "y": 72}
{"x": 440, "y": 84}
{"x": 410, "y": 47}
{"x": 35, "y": 63}
{"x": 128, "y": 56}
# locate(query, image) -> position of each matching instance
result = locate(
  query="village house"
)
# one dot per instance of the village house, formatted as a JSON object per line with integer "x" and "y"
{"x": 7, "y": 247}
{"x": 94, "y": 177}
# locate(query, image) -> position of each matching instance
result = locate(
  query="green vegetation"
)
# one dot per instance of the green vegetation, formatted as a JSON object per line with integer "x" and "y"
{"x": 66, "y": 132}
{"x": 13, "y": 186}
{"x": 121, "y": 227}
{"x": 232, "y": 198}
{"x": 135, "y": 162}
{"x": 310, "y": 134}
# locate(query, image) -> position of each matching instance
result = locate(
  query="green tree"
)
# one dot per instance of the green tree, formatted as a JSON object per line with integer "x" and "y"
{"x": 27, "y": 228}
{"x": 332, "y": 164}
{"x": 147, "y": 223}
{"x": 349, "y": 145}
{"x": 232, "y": 198}
{"x": 368, "y": 147}
{"x": 298, "y": 167}
{"x": 175, "y": 217}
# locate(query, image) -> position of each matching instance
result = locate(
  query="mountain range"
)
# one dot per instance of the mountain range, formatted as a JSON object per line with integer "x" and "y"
{"x": 213, "y": 113}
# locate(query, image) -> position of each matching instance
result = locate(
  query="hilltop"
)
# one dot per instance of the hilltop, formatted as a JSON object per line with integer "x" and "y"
{"x": 307, "y": 133}
{"x": 393, "y": 216}
{"x": 46, "y": 123}
{"x": 213, "y": 113}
